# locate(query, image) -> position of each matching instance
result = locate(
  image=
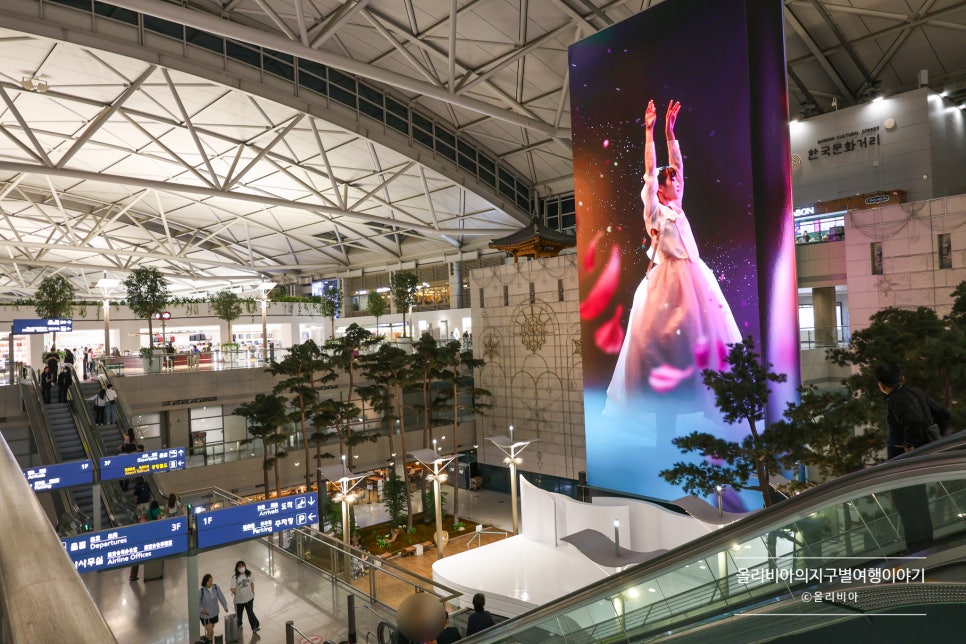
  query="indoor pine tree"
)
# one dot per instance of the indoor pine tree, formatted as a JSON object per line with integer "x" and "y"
{"x": 54, "y": 299}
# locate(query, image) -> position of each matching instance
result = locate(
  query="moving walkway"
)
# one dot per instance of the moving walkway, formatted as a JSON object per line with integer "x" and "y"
{"x": 758, "y": 578}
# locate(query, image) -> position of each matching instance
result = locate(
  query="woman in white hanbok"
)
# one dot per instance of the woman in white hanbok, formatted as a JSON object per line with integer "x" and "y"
{"x": 680, "y": 322}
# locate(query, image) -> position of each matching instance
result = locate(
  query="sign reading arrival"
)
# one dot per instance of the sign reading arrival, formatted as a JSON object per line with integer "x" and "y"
{"x": 22, "y": 327}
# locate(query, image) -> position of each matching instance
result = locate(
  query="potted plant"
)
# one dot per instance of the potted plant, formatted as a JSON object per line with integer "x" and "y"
{"x": 150, "y": 362}
{"x": 229, "y": 352}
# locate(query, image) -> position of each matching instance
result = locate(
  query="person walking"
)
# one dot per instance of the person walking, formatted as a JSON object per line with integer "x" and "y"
{"x": 111, "y": 402}
{"x": 480, "y": 619}
{"x": 86, "y": 363}
{"x": 211, "y": 596}
{"x": 173, "y": 508}
{"x": 243, "y": 589}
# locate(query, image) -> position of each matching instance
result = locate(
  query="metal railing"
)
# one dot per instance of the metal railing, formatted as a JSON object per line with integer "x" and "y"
{"x": 824, "y": 337}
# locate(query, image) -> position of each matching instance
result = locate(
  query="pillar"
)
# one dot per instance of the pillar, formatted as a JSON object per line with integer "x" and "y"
{"x": 823, "y": 308}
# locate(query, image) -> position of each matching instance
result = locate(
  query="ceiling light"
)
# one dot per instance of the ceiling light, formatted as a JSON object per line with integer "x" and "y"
{"x": 27, "y": 83}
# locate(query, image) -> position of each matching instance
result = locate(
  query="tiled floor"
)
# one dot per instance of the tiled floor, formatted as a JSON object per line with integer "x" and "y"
{"x": 157, "y": 611}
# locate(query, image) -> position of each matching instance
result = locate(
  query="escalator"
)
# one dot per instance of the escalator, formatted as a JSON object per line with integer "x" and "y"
{"x": 745, "y": 581}
{"x": 71, "y": 445}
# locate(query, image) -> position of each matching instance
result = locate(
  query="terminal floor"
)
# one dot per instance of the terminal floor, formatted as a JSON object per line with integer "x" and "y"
{"x": 157, "y": 611}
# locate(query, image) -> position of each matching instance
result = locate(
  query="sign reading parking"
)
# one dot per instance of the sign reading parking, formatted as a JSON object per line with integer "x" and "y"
{"x": 128, "y": 545}
{"x": 43, "y": 326}
{"x": 124, "y": 466}
{"x": 217, "y": 527}
{"x": 52, "y": 477}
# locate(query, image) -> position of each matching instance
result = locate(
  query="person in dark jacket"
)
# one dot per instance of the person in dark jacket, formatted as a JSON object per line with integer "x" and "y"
{"x": 480, "y": 619}
{"x": 46, "y": 382}
{"x": 910, "y": 411}
{"x": 63, "y": 383}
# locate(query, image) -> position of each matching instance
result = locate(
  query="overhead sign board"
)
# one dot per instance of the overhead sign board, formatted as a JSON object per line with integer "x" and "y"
{"x": 217, "y": 527}
{"x": 52, "y": 477}
{"x": 21, "y": 327}
{"x": 128, "y": 545}
{"x": 122, "y": 466}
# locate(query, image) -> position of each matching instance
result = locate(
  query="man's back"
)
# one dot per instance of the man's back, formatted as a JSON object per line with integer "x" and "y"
{"x": 478, "y": 621}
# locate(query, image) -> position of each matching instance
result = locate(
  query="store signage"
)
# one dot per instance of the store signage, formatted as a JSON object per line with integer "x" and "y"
{"x": 22, "y": 327}
{"x": 845, "y": 142}
{"x": 128, "y": 545}
{"x": 804, "y": 211}
{"x": 52, "y": 477}
{"x": 877, "y": 199}
{"x": 124, "y": 466}
{"x": 217, "y": 527}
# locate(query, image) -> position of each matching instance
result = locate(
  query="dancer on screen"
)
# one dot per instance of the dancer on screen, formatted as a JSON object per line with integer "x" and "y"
{"x": 680, "y": 322}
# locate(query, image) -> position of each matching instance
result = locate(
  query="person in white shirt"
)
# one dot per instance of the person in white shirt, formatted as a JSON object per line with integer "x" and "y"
{"x": 111, "y": 401}
{"x": 243, "y": 590}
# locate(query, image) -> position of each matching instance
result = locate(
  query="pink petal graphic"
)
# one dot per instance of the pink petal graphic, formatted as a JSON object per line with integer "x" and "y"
{"x": 665, "y": 378}
{"x": 590, "y": 255}
{"x": 600, "y": 296}
{"x": 610, "y": 336}
{"x": 702, "y": 353}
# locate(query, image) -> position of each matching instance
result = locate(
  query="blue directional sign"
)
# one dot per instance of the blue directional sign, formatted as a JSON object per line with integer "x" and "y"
{"x": 42, "y": 326}
{"x": 122, "y": 466}
{"x": 52, "y": 477}
{"x": 251, "y": 520}
{"x": 128, "y": 545}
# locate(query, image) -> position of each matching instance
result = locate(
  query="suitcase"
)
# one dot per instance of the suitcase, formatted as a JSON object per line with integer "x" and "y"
{"x": 153, "y": 570}
{"x": 232, "y": 632}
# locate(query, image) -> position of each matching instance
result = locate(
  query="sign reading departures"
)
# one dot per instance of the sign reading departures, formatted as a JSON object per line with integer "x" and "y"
{"x": 122, "y": 466}
{"x": 52, "y": 477}
{"x": 217, "y": 527}
{"x": 128, "y": 545}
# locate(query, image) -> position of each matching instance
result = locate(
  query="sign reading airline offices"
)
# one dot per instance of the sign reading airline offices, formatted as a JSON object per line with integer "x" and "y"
{"x": 26, "y": 327}
{"x": 217, "y": 527}
{"x": 52, "y": 477}
{"x": 122, "y": 466}
{"x": 128, "y": 545}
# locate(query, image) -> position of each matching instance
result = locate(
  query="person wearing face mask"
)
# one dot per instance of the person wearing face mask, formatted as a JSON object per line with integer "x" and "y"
{"x": 243, "y": 589}
{"x": 211, "y": 596}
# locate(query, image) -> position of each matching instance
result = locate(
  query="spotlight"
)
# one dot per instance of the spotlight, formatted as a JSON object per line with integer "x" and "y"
{"x": 27, "y": 83}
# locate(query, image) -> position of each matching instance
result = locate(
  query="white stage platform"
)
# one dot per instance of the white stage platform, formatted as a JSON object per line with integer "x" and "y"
{"x": 517, "y": 574}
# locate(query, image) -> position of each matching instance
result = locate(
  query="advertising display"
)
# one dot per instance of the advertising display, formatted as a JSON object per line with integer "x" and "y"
{"x": 127, "y": 545}
{"x": 52, "y": 477}
{"x": 217, "y": 527}
{"x": 122, "y": 466}
{"x": 669, "y": 277}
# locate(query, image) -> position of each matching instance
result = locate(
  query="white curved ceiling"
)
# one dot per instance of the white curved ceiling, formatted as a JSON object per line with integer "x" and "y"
{"x": 123, "y": 143}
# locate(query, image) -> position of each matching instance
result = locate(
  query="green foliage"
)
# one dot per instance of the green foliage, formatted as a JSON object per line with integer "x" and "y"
{"x": 303, "y": 370}
{"x": 395, "y": 495}
{"x": 741, "y": 393}
{"x": 820, "y": 431}
{"x": 403, "y": 288}
{"x": 266, "y": 416}
{"x": 343, "y": 354}
{"x": 929, "y": 351}
{"x": 330, "y": 305}
{"x": 429, "y": 505}
{"x": 227, "y": 306}
{"x": 54, "y": 297}
{"x": 426, "y": 367}
{"x": 147, "y": 294}
{"x": 376, "y": 306}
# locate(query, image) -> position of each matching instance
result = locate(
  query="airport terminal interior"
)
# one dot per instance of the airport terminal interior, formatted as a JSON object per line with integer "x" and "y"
{"x": 302, "y": 162}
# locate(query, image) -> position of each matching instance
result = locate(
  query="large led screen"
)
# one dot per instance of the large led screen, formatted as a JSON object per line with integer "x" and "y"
{"x": 669, "y": 277}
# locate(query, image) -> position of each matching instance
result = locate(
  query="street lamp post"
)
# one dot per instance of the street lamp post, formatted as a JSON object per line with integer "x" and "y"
{"x": 512, "y": 450}
{"x": 106, "y": 285}
{"x": 347, "y": 482}
{"x": 436, "y": 464}
{"x": 264, "y": 288}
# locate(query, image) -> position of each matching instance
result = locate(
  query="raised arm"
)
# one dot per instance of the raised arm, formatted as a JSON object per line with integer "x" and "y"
{"x": 649, "y": 193}
{"x": 675, "y": 160}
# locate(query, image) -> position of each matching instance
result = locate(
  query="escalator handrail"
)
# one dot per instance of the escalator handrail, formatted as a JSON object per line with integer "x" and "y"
{"x": 891, "y": 474}
{"x": 95, "y": 450}
{"x": 123, "y": 421}
{"x": 37, "y": 418}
